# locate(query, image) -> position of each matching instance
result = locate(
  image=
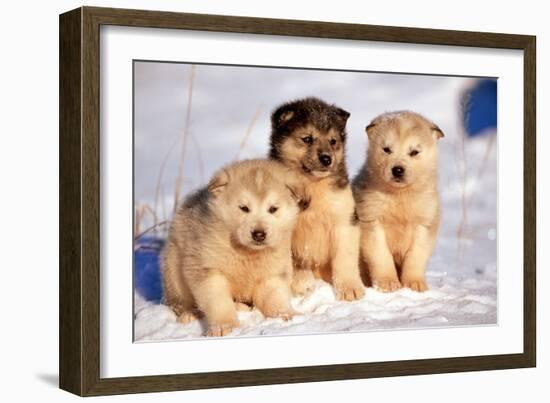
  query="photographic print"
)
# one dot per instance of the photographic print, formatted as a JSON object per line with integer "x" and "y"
{"x": 228, "y": 184}
{"x": 273, "y": 201}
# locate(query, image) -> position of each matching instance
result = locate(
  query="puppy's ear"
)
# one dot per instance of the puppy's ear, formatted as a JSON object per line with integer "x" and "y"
{"x": 282, "y": 116}
{"x": 286, "y": 116}
{"x": 299, "y": 193}
{"x": 343, "y": 114}
{"x": 218, "y": 183}
{"x": 370, "y": 129}
{"x": 438, "y": 132}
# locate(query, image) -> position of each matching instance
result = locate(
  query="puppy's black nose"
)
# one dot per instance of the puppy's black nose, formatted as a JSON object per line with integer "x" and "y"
{"x": 258, "y": 235}
{"x": 325, "y": 159}
{"x": 398, "y": 171}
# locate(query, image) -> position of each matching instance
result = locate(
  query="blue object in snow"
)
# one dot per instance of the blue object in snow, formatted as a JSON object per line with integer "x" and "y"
{"x": 147, "y": 278}
{"x": 480, "y": 107}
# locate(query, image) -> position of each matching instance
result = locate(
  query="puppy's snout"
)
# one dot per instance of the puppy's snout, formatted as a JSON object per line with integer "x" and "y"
{"x": 398, "y": 171}
{"x": 258, "y": 235}
{"x": 325, "y": 159}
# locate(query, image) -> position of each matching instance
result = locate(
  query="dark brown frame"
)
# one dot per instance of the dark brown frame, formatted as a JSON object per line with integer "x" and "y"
{"x": 79, "y": 324}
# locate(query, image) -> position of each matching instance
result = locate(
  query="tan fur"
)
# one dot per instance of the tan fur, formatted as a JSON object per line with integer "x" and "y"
{"x": 211, "y": 260}
{"x": 325, "y": 241}
{"x": 399, "y": 220}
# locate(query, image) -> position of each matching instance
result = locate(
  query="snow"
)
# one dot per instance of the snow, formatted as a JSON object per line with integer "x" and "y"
{"x": 449, "y": 302}
{"x": 462, "y": 273}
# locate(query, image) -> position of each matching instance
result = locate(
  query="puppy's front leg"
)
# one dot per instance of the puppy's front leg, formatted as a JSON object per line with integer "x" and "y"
{"x": 272, "y": 297}
{"x": 377, "y": 255}
{"x": 303, "y": 280}
{"x": 346, "y": 278}
{"x": 213, "y": 296}
{"x": 414, "y": 264}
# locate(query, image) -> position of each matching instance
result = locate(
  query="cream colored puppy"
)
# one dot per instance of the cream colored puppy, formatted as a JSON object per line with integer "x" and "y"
{"x": 230, "y": 243}
{"x": 397, "y": 200}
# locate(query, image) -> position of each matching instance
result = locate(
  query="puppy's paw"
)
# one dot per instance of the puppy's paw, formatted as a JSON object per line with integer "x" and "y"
{"x": 189, "y": 316}
{"x": 286, "y": 316}
{"x": 386, "y": 284}
{"x": 416, "y": 284}
{"x": 349, "y": 291}
{"x": 278, "y": 311}
{"x": 302, "y": 286}
{"x": 220, "y": 329}
{"x": 302, "y": 290}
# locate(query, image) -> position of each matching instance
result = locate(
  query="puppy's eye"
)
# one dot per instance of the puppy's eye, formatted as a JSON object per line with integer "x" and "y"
{"x": 307, "y": 139}
{"x": 332, "y": 142}
{"x": 387, "y": 150}
{"x": 244, "y": 209}
{"x": 414, "y": 153}
{"x": 273, "y": 209}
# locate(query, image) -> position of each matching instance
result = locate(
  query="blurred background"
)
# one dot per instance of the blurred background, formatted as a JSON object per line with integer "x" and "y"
{"x": 190, "y": 120}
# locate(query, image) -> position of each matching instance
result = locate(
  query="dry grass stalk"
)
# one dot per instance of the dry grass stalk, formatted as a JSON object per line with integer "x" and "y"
{"x": 179, "y": 179}
{"x": 141, "y": 210}
{"x": 483, "y": 165}
{"x": 248, "y": 131}
{"x": 151, "y": 228}
{"x": 158, "y": 189}
{"x": 465, "y": 200}
{"x": 462, "y": 167}
{"x": 200, "y": 162}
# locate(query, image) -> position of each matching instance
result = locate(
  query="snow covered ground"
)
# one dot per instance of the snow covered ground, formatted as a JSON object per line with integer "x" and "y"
{"x": 462, "y": 273}
{"x": 450, "y": 302}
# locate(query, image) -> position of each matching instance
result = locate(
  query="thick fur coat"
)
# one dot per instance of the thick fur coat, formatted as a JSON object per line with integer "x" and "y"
{"x": 309, "y": 137}
{"x": 230, "y": 243}
{"x": 397, "y": 200}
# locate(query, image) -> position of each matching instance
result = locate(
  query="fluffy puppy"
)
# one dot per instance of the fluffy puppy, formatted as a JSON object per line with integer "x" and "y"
{"x": 397, "y": 200}
{"x": 309, "y": 136}
{"x": 230, "y": 243}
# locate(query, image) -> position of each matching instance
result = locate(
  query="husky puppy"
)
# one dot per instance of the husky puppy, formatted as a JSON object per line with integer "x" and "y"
{"x": 309, "y": 136}
{"x": 397, "y": 200}
{"x": 230, "y": 243}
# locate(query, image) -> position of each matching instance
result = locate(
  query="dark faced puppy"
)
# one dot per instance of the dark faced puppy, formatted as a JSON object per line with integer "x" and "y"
{"x": 309, "y": 135}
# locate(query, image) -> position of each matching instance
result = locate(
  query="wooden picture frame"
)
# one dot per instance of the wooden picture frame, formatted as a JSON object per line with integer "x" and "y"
{"x": 79, "y": 350}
